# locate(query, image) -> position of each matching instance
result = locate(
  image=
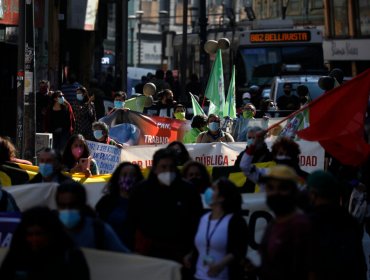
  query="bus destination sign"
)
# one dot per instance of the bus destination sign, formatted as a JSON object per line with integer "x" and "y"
{"x": 280, "y": 36}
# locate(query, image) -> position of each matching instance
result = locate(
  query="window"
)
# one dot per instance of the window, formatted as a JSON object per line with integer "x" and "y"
{"x": 339, "y": 22}
{"x": 364, "y": 12}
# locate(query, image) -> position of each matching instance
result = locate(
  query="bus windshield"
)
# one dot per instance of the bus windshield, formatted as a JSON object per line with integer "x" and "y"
{"x": 261, "y": 64}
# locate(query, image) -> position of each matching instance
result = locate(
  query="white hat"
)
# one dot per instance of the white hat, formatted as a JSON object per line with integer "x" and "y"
{"x": 246, "y": 95}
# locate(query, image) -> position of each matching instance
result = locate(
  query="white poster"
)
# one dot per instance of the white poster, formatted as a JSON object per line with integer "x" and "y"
{"x": 82, "y": 14}
{"x": 106, "y": 156}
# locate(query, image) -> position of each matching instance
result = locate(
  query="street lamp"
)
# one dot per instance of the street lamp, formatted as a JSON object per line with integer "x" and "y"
{"x": 139, "y": 14}
{"x": 132, "y": 19}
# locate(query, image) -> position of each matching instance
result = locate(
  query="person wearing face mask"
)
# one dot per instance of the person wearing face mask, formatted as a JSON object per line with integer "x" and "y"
{"x": 50, "y": 168}
{"x": 180, "y": 112}
{"x": 41, "y": 249}
{"x": 164, "y": 211}
{"x": 241, "y": 123}
{"x": 59, "y": 120}
{"x": 80, "y": 223}
{"x": 84, "y": 111}
{"x": 214, "y": 133}
{"x": 165, "y": 105}
{"x": 286, "y": 245}
{"x": 288, "y": 102}
{"x": 221, "y": 240}
{"x": 100, "y": 131}
{"x": 198, "y": 125}
{"x": 285, "y": 151}
{"x": 112, "y": 207}
{"x": 119, "y": 101}
{"x": 261, "y": 154}
{"x": 76, "y": 157}
{"x": 197, "y": 174}
{"x": 180, "y": 151}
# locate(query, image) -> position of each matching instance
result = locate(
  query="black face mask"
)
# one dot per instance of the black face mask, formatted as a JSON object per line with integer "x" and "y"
{"x": 196, "y": 181}
{"x": 287, "y": 92}
{"x": 281, "y": 205}
{"x": 169, "y": 101}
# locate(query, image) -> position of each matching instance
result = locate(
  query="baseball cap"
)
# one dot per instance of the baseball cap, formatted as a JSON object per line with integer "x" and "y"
{"x": 246, "y": 95}
{"x": 281, "y": 172}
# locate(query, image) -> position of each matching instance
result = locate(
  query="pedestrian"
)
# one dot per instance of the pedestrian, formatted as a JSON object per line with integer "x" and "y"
{"x": 42, "y": 103}
{"x": 50, "y": 168}
{"x": 42, "y": 250}
{"x": 242, "y": 122}
{"x": 214, "y": 133}
{"x": 197, "y": 174}
{"x": 80, "y": 223}
{"x": 112, "y": 207}
{"x": 284, "y": 150}
{"x": 164, "y": 211}
{"x": 198, "y": 125}
{"x": 260, "y": 154}
{"x": 119, "y": 101}
{"x": 76, "y": 157}
{"x": 180, "y": 152}
{"x": 59, "y": 120}
{"x": 285, "y": 248}
{"x": 84, "y": 111}
{"x": 337, "y": 236}
{"x": 164, "y": 106}
{"x": 288, "y": 102}
{"x": 221, "y": 240}
{"x": 180, "y": 112}
{"x": 101, "y": 134}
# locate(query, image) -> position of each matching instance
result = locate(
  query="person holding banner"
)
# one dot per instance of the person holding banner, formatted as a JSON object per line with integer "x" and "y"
{"x": 222, "y": 238}
{"x": 76, "y": 157}
{"x": 214, "y": 133}
{"x": 119, "y": 101}
{"x": 101, "y": 134}
{"x": 180, "y": 112}
{"x": 41, "y": 250}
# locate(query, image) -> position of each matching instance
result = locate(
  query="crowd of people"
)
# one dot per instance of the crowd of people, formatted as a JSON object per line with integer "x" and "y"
{"x": 178, "y": 211}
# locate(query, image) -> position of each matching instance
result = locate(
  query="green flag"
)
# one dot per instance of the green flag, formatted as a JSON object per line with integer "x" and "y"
{"x": 297, "y": 122}
{"x": 230, "y": 106}
{"x": 197, "y": 110}
{"x": 215, "y": 87}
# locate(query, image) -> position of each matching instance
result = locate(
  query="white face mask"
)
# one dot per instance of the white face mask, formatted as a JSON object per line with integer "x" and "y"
{"x": 166, "y": 178}
{"x": 283, "y": 157}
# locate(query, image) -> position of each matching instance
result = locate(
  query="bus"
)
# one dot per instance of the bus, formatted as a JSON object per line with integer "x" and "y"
{"x": 262, "y": 54}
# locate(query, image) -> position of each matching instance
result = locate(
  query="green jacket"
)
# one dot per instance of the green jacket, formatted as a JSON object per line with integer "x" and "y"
{"x": 191, "y": 136}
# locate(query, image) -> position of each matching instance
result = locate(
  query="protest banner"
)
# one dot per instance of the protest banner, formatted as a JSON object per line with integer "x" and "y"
{"x": 223, "y": 154}
{"x": 128, "y": 266}
{"x": 133, "y": 128}
{"x": 8, "y": 224}
{"x": 106, "y": 156}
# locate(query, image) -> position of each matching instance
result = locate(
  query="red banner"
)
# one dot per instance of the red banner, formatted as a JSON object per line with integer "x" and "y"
{"x": 134, "y": 128}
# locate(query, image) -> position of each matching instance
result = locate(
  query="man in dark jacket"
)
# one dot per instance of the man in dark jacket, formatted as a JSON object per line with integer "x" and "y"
{"x": 164, "y": 211}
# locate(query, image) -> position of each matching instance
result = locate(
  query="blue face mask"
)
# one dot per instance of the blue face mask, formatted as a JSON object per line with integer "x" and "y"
{"x": 46, "y": 169}
{"x": 214, "y": 126}
{"x": 79, "y": 97}
{"x": 250, "y": 142}
{"x": 98, "y": 134}
{"x": 61, "y": 100}
{"x": 118, "y": 104}
{"x": 70, "y": 217}
{"x": 208, "y": 196}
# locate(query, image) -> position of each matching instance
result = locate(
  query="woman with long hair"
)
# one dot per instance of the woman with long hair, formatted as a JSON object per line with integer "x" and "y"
{"x": 59, "y": 120}
{"x": 222, "y": 237}
{"x": 42, "y": 250}
{"x": 76, "y": 157}
{"x": 112, "y": 207}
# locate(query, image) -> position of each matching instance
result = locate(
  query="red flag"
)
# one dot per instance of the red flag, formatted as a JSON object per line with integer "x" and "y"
{"x": 337, "y": 121}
